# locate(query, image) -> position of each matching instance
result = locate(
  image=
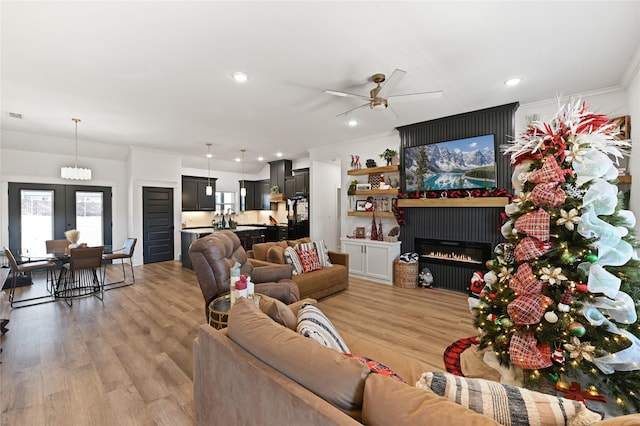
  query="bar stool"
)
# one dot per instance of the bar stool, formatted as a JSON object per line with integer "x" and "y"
{"x": 257, "y": 239}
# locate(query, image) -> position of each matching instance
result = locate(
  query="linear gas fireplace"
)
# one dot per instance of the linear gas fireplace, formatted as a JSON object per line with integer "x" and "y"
{"x": 454, "y": 253}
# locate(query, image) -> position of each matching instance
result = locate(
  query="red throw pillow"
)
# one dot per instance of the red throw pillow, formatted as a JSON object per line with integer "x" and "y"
{"x": 309, "y": 259}
{"x": 376, "y": 367}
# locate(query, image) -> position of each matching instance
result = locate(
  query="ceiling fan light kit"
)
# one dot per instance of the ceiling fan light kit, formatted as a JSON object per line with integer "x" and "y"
{"x": 378, "y": 98}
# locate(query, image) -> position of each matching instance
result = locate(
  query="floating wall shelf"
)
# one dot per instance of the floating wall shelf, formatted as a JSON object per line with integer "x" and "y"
{"x": 373, "y": 170}
{"x": 368, "y": 214}
{"x": 454, "y": 202}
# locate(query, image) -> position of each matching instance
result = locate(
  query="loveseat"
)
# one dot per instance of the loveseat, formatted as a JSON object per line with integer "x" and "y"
{"x": 316, "y": 284}
{"x": 258, "y": 372}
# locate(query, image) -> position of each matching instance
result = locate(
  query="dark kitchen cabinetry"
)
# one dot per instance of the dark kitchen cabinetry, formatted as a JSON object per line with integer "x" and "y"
{"x": 194, "y": 194}
{"x": 289, "y": 187}
{"x": 301, "y": 181}
{"x": 280, "y": 170}
{"x": 257, "y": 194}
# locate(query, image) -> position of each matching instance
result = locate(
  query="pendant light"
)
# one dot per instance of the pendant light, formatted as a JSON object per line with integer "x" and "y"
{"x": 75, "y": 173}
{"x": 209, "y": 189}
{"x": 243, "y": 190}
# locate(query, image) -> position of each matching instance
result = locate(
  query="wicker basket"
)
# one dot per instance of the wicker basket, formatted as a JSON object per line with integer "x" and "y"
{"x": 405, "y": 275}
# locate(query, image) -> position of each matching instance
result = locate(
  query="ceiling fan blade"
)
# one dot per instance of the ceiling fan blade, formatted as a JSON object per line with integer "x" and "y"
{"x": 351, "y": 110}
{"x": 412, "y": 96}
{"x": 347, "y": 95}
{"x": 391, "y": 83}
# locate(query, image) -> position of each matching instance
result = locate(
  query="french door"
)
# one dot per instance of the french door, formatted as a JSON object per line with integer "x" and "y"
{"x": 40, "y": 212}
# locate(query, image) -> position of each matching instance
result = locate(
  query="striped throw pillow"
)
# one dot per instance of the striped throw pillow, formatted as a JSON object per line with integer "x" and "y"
{"x": 508, "y": 405}
{"x": 291, "y": 257}
{"x": 314, "y": 324}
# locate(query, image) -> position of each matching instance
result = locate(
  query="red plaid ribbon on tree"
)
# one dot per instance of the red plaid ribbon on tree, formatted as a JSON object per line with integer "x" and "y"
{"x": 524, "y": 281}
{"x": 528, "y": 309}
{"x": 534, "y": 224}
{"x": 549, "y": 172}
{"x": 548, "y": 194}
{"x": 525, "y": 352}
{"x": 531, "y": 248}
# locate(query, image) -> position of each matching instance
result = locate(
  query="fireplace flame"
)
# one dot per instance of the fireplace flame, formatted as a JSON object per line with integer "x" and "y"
{"x": 455, "y": 257}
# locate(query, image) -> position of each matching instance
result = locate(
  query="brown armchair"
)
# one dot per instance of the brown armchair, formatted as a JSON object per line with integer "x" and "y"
{"x": 212, "y": 258}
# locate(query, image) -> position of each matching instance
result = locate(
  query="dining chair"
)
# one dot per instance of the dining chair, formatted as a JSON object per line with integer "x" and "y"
{"x": 22, "y": 269}
{"x": 80, "y": 276}
{"x": 53, "y": 247}
{"x": 122, "y": 254}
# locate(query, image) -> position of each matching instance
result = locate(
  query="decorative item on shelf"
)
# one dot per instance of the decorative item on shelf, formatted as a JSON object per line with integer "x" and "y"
{"x": 383, "y": 184}
{"x": 363, "y": 187}
{"x": 374, "y": 180}
{"x": 352, "y": 187}
{"x": 359, "y": 232}
{"x": 389, "y": 155}
{"x": 380, "y": 235}
{"x": 394, "y": 182}
{"x": 393, "y": 235}
{"x": 374, "y": 229}
{"x": 275, "y": 190}
{"x": 75, "y": 172}
{"x": 355, "y": 162}
{"x": 369, "y": 204}
{"x": 371, "y": 163}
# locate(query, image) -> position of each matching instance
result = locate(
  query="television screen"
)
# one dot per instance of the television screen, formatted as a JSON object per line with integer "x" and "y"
{"x": 458, "y": 164}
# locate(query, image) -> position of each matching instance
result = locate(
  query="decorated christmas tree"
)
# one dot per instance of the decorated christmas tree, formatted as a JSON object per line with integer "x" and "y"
{"x": 562, "y": 296}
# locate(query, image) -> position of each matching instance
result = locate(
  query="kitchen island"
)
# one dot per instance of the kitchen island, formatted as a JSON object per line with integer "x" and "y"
{"x": 189, "y": 235}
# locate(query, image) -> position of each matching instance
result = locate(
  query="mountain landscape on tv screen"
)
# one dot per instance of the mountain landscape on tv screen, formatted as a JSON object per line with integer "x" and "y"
{"x": 460, "y": 164}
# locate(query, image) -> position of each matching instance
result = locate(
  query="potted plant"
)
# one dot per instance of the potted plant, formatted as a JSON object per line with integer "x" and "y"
{"x": 388, "y": 155}
{"x": 352, "y": 187}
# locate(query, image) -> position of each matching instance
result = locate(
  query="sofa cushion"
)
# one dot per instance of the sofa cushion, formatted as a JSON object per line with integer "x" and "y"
{"x": 309, "y": 259}
{"x": 260, "y": 250}
{"x": 314, "y": 324}
{"x": 389, "y": 402}
{"x": 292, "y": 258}
{"x": 278, "y": 311}
{"x": 275, "y": 254}
{"x": 323, "y": 371}
{"x": 508, "y": 404}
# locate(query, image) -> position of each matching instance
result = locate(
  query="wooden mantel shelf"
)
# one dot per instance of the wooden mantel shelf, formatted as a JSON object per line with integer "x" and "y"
{"x": 373, "y": 170}
{"x": 454, "y": 202}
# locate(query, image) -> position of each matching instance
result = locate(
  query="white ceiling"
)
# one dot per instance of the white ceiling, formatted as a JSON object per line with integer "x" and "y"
{"x": 157, "y": 74}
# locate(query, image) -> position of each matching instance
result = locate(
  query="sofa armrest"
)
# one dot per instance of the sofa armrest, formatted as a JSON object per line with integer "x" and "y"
{"x": 339, "y": 258}
{"x": 250, "y": 254}
{"x": 271, "y": 273}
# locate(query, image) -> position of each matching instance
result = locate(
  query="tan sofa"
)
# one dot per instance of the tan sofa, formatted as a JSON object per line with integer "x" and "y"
{"x": 258, "y": 372}
{"x": 316, "y": 284}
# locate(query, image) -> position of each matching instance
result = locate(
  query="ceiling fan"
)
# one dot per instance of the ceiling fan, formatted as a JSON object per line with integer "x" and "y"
{"x": 379, "y": 96}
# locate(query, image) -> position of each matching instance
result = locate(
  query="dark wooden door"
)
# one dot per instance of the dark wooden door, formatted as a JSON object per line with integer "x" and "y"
{"x": 157, "y": 228}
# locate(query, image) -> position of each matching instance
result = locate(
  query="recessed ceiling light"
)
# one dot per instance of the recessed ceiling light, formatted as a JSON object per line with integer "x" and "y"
{"x": 261, "y": 158}
{"x": 352, "y": 123}
{"x": 237, "y": 159}
{"x": 512, "y": 82}
{"x": 278, "y": 154}
{"x": 240, "y": 76}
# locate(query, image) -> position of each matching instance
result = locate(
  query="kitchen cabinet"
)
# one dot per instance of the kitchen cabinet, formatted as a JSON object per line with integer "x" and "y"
{"x": 279, "y": 171}
{"x": 289, "y": 187}
{"x": 194, "y": 194}
{"x": 257, "y": 194}
{"x": 372, "y": 260}
{"x": 301, "y": 181}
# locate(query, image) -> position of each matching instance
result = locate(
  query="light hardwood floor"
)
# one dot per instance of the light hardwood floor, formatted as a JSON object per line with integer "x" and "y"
{"x": 128, "y": 360}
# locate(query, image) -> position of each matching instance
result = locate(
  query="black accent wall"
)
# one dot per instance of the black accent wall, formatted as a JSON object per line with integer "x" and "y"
{"x": 453, "y": 223}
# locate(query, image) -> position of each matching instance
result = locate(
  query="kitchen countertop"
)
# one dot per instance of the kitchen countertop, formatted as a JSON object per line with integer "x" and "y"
{"x": 211, "y": 230}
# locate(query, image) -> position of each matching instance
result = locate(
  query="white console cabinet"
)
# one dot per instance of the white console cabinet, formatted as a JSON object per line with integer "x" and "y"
{"x": 372, "y": 260}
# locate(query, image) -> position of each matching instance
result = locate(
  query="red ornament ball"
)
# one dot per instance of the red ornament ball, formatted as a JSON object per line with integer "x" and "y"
{"x": 493, "y": 296}
{"x": 576, "y": 329}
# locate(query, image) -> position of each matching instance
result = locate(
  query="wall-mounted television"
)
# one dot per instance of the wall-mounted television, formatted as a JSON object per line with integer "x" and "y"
{"x": 468, "y": 163}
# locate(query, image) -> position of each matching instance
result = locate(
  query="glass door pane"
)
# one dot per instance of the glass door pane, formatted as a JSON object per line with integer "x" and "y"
{"x": 89, "y": 217}
{"x": 36, "y": 220}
